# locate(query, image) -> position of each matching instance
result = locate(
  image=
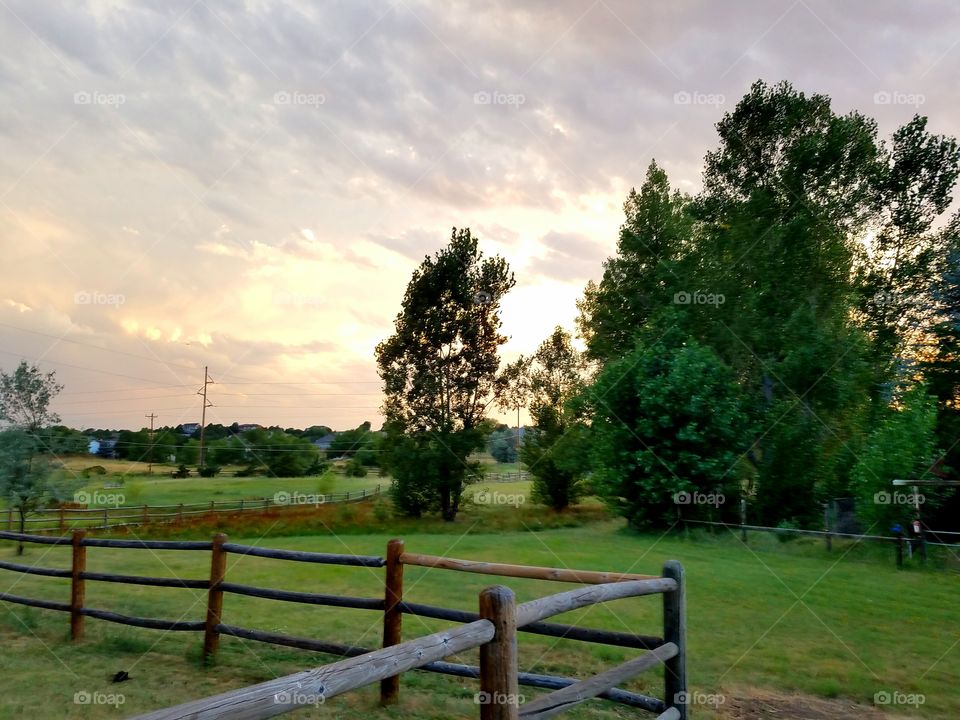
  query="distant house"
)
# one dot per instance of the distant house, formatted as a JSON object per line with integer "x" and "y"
{"x": 93, "y": 446}
{"x": 107, "y": 449}
{"x": 324, "y": 443}
{"x": 189, "y": 428}
{"x": 249, "y": 426}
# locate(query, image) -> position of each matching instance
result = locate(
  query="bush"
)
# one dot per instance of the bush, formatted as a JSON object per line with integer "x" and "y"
{"x": 181, "y": 471}
{"x": 785, "y": 526}
{"x": 94, "y": 470}
{"x": 209, "y": 471}
{"x": 355, "y": 469}
{"x": 250, "y": 470}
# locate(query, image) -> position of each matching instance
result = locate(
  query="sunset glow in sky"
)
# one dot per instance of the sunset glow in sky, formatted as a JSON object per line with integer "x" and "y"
{"x": 249, "y": 185}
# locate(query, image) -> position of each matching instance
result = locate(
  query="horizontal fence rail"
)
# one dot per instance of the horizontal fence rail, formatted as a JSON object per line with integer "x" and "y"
{"x": 493, "y": 629}
{"x": 63, "y": 519}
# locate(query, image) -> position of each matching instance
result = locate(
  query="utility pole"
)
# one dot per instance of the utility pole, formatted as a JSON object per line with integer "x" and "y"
{"x": 203, "y": 412}
{"x": 150, "y": 465}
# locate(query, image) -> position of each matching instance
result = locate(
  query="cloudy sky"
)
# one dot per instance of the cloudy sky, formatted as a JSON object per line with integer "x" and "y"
{"x": 248, "y": 185}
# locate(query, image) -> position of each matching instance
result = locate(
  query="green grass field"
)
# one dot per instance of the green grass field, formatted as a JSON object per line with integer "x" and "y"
{"x": 781, "y": 617}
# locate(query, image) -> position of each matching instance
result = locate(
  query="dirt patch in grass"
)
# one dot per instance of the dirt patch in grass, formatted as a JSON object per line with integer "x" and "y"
{"x": 754, "y": 704}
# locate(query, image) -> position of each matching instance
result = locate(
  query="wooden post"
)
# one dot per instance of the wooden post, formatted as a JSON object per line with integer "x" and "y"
{"x": 106, "y": 518}
{"x": 675, "y": 631}
{"x": 63, "y": 524}
{"x": 78, "y": 566}
{"x": 180, "y": 513}
{"x": 899, "y": 551}
{"x": 743, "y": 519}
{"x": 826, "y": 526}
{"x": 218, "y": 569}
{"x": 499, "y": 695}
{"x": 392, "y": 617}
{"x": 146, "y": 514}
{"x": 9, "y": 519}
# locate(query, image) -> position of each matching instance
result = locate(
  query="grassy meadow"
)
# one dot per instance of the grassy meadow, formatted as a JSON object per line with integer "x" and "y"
{"x": 780, "y": 617}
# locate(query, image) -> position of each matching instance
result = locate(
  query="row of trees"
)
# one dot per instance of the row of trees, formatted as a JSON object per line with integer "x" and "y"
{"x": 787, "y": 336}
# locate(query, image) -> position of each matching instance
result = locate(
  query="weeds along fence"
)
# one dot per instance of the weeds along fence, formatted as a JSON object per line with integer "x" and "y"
{"x": 63, "y": 519}
{"x": 928, "y": 543}
{"x": 493, "y": 629}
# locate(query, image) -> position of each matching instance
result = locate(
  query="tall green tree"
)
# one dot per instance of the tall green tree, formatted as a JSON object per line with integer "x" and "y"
{"x": 667, "y": 420}
{"x": 642, "y": 277}
{"x": 25, "y": 396}
{"x": 439, "y": 370}
{"x": 554, "y": 449}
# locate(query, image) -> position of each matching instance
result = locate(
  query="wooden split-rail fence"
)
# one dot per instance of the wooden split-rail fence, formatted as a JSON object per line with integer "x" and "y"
{"x": 63, "y": 519}
{"x": 493, "y": 629}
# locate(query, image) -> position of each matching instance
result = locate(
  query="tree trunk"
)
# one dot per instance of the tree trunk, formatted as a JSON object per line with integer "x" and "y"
{"x": 23, "y": 525}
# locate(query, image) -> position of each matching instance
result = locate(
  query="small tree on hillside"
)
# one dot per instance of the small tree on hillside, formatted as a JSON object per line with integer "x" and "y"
{"x": 554, "y": 450}
{"x": 439, "y": 370}
{"x": 25, "y": 478}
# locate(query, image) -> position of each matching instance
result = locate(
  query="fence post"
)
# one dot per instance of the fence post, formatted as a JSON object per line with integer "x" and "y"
{"x": 899, "y": 551}
{"x": 106, "y": 518}
{"x": 146, "y": 514}
{"x": 392, "y": 617}
{"x": 499, "y": 690}
{"x": 826, "y": 526}
{"x": 675, "y": 631}
{"x": 218, "y": 569}
{"x": 63, "y": 525}
{"x": 180, "y": 513}
{"x": 9, "y": 519}
{"x": 78, "y": 565}
{"x": 743, "y": 519}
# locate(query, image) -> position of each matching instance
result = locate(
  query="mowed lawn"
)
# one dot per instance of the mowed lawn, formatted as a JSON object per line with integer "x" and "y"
{"x": 825, "y": 625}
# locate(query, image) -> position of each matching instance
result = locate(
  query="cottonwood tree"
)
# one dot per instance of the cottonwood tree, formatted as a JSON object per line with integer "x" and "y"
{"x": 26, "y": 481}
{"x": 439, "y": 372}
{"x": 554, "y": 450}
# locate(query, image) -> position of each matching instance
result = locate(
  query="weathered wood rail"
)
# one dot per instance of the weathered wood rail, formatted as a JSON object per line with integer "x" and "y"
{"x": 493, "y": 629}
{"x": 64, "y": 519}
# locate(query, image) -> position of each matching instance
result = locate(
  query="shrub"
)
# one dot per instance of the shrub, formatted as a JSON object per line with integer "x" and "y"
{"x": 94, "y": 470}
{"x": 209, "y": 471}
{"x": 181, "y": 471}
{"x": 355, "y": 469}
